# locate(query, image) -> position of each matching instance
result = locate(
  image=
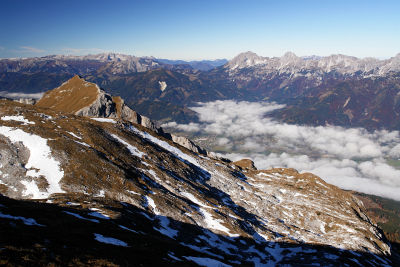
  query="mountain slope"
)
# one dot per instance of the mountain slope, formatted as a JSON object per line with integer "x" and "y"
{"x": 133, "y": 191}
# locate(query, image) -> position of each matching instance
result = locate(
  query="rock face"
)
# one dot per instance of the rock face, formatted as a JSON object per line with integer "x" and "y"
{"x": 246, "y": 164}
{"x": 123, "y": 193}
{"x": 187, "y": 143}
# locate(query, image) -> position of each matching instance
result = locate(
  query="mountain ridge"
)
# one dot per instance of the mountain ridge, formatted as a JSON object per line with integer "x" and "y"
{"x": 290, "y": 63}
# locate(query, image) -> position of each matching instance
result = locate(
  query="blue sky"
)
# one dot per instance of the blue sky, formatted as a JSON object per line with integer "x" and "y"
{"x": 204, "y": 29}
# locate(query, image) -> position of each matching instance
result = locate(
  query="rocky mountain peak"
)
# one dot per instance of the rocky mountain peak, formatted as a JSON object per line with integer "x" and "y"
{"x": 289, "y": 55}
{"x": 111, "y": 57}
{"x": 289, "y": 59}
{"x": 72, "y": 96}
{"x": 246, "y": 59}
{"x": 83, "y": 98}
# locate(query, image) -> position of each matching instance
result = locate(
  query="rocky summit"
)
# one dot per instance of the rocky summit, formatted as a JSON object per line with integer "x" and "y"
{"x": 83, "y": 98}
{"x": 83, "y": 184}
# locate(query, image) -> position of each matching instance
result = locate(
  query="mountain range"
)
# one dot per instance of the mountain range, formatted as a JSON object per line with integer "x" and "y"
{"x": 86, "y": 180}
{"x": 339, "y": 90}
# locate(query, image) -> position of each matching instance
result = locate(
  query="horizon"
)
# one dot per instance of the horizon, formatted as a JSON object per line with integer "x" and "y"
{"x": 182, "y": 30}
{"x": 200, "y": 59}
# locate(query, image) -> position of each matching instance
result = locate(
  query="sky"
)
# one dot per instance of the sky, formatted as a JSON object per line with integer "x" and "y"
{"x": 206, "y": 29}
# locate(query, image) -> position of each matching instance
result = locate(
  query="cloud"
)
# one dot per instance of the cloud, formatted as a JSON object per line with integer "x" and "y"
{"x": 81, "y": 51}
{"x": 20, "y": 95}
{"x": 349, "y": 158}
{"x": 29, "y": 49}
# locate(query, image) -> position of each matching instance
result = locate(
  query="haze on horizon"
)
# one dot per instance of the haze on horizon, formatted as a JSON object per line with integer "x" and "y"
{"x": 193, "y": 30}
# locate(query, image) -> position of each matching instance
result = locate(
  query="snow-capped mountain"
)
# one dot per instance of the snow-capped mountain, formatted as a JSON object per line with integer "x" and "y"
{"x": 292, "y": 64}
{"x": 110, "y": 191}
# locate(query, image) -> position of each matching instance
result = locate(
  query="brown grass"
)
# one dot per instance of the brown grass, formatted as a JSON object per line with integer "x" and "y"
{"x": 70, "y": 97}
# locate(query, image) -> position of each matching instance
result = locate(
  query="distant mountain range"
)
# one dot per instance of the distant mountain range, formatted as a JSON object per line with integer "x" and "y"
{"x": 314, "y": 66}
{"x": 337, "y": 89}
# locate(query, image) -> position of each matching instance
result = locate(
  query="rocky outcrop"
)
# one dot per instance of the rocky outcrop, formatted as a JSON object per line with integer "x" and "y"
{"x": 245, "y": 164}
{"x": 30, "y": 101}
{"x": 186, "y": 142}
{"x": 103, "y": 106}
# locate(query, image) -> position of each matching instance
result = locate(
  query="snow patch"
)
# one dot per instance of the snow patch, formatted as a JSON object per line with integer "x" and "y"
{"x": 193, "y": 199}
{"x": 163, "y": 85}
{"x": 100, "y": 194}
{"x": 104, "y": 120}
{"x": 214, "y": 224}
{"x": 151, "y": 203}
{"x": 177, "y": 152}
{"x": 74, "y": 135}
{"x": 17, "y": 118}
{"x": 31, "y": 187}
{"x": 109, "y": 240}
{"x": 134, "y": 151}
{"x": 40, "y": 161}
{"x": 171, "y": 255}
{"x": 26, "y": 221}
{"x": 99, "y": 214}
{"x": 165, "y": 229}
{"x": 82, "y": 143}
{"x": 128, "y": 229}
{"x": 206, "y": 261}
{"x": 81, "y": 217}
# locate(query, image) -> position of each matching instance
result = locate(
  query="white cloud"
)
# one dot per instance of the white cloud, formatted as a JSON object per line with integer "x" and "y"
{"x": 20, "y": 95}
{"x": 349, "y": 158}
{"x": 29, "y": 49}
{"x": 81, "y": 51}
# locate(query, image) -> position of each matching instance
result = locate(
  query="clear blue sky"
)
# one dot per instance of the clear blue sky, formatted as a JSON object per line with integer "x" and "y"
{"x": 201, "y": 29}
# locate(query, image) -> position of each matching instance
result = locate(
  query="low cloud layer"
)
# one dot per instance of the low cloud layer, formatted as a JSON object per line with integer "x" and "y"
{"x": 20, "y": 95}
{"x": 352, "y": 159}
